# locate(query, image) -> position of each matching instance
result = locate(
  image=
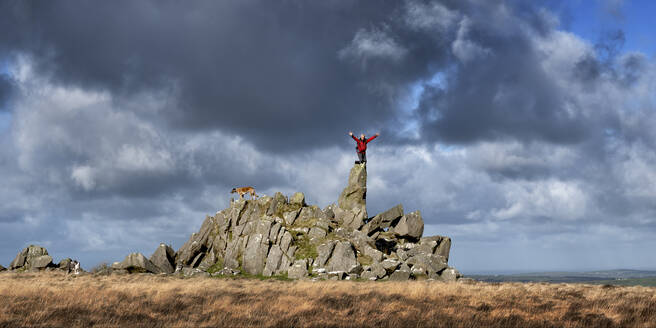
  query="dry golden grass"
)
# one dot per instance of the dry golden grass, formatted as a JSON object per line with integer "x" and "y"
{"x": 52, "y": 299}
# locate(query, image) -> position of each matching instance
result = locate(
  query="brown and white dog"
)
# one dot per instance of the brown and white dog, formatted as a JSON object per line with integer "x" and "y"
{"x": 244, "y": 190}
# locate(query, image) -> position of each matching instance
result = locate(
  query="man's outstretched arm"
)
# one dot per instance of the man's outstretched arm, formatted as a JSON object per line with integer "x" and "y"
{"x": 352, "y": 136}
{"x": 374, "y": 137}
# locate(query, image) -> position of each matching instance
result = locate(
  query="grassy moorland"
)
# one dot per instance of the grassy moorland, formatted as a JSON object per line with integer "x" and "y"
{"x": 53, "y": 300}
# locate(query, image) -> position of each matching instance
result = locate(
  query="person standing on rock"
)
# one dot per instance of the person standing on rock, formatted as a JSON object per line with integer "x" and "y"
{"x": 362, "y": 147}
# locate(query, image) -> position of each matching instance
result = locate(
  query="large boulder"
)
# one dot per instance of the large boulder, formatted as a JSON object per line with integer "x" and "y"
{"x": 31, "y": 257}
{"x": 354, "y": 196}
{"x": 411, "y": 226}
{"x": 426, "y": 263}
{"x": 137, "y": 263}
{"x": 297, "y": 199}
{"x": 298, "y": 270}
{"x": 164, "y": 258}
{"x": 384, "y": 220}
{"x": 449, "y": 275}
{"x": 343, "y": 258}
{"x": 444, "y": 247}
{"x": 41, "y": 262}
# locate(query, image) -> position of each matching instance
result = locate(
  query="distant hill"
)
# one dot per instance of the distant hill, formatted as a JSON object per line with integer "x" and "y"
{"x": 612, "y": 277}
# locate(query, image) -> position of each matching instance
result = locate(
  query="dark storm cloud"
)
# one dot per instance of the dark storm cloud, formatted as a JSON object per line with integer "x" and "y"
{"x": 268, "y": 70}
{"x": 284, "y": 72}
{"x": 7, "y": 88}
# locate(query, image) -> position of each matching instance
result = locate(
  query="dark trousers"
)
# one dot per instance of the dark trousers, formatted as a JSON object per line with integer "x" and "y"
{"x": 362, "y": 157}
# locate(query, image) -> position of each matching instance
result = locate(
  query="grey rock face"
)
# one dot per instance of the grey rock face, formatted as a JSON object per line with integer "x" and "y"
{"x": 291, "y": 216}
{"x": 137, "y": 263}
{"x": 354, "y": 196}
{"x": 196, "y": 243}
{"x": 325, "y": 251}
{"x": 410, "y": 226}
{"x": 256, "y": 253}
{"x": 273, "y": 261}
{"x": 278, "y": 201}
{"x": 427, "y": 263}
{"x": 298, "y": 270}
{"x": 378, "y": 270}
{"x": 444, "y": 247}
{"x": 375, "y": 254}
{"x": 164, "y": 258}
{"x": 41, "y": 262}
{"x": 343, "y": 258}
{"x": 400, "y": 275}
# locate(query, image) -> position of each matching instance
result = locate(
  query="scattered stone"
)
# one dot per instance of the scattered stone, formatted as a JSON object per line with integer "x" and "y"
{"x": 340, "y": 275}
{"x": 467, "y": 281}
{"x": 193, "y": 272}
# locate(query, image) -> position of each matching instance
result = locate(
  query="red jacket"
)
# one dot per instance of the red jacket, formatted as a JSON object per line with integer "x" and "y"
{"x": 362, "y": 145}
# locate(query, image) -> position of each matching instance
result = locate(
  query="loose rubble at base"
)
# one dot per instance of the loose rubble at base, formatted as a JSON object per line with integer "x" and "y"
{"x": 281, "y": 236}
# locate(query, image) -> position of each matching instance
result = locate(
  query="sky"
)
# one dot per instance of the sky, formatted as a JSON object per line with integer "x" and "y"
{"x": 521, "y": 129}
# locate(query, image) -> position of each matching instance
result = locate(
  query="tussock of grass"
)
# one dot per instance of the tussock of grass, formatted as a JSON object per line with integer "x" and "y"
{"x": 55, "y": 299}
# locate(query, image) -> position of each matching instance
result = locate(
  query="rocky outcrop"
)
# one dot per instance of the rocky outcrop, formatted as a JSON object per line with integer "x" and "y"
{"x": 285, "y": 236}
{"x": 36, "y": 258}
{"x": 32, "y": 258}
{"x": 164, "y": 258}
{"x": 2, "y": 268}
